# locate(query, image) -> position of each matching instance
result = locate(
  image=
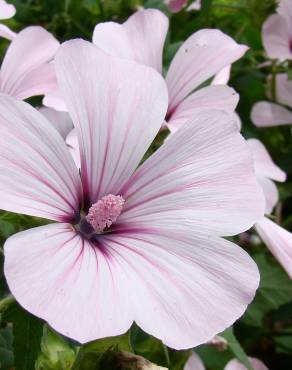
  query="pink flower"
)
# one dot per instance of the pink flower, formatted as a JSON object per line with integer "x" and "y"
{"x": 176, "y": 6}
{"x": 63, "y": 123}
{"x": 223, "y": 76}
{"x": 195, "y": 363}
{"x": 6, "y": 32}
{"x": 277, "y": 32}
{"x": 6, "y": 10}
{"x": 26, "y": 69}
{"x": 156, "y": 257}
{"x": 201, "y": 56}
{"x": 195, "y": 5}
{"x": 236, "y": 365}
{"x": 60, "y": 120}
{"x": 277, "y": 239}
{"x": 267, "y": 114}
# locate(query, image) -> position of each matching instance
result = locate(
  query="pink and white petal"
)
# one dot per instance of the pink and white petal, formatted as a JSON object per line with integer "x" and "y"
{"x": 264, "y": 165}
{"x": 37, "y": 82}
{"x": 218, "y": 97}
{"x": 271, "y": 193}
{"x": 194, "y": 363}
{"x": 202, "y": 176}
{"x": 176, "y": 6}
{"x": 6, "y": 32}
{"x": 190, "y": 287}
{"x": 200, "y": 57}
{"x": 6, "y": 10}
{"x": 60, "y": 120}
{"x": 37, "y": 174}
{"x": 266, "y": 114}
{"x": 53, "y": 99}
{"x": 285, "y": 10}
{"x": 73, "y": 146}
{"x": 236, "y": 365}
{"x": 284, "y": 89}
{"x": 276, "y": 37}
{"x": 195, "y": 5}
{"x": 278, "y": 241}
{"x": 62, "y": 278}
{"x": 140, "y": 38}
{"x": 117, "y": 112}
{"x": 222, "y": 77}
{"x": 28, "y": 52}
{"x": 238, "y": 120}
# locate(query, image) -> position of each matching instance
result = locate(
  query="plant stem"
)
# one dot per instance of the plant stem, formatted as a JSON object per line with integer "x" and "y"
{"x": 5, "y": 302}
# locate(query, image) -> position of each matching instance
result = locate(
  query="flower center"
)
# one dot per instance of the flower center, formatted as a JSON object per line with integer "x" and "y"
{"x": 105, "y": 212}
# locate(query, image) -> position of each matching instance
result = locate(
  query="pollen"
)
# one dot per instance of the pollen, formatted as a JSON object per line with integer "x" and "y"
{"x": 105, "y": 212}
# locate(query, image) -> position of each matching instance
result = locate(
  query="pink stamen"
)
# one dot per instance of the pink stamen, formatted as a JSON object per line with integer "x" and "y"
{"x": 105, "y": 212}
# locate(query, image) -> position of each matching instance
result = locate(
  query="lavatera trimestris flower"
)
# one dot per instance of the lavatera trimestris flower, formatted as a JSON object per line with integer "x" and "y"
{"x": 130, "y": 244}
{"x": 27, "y": 69}
{"x": 206, "y": 53}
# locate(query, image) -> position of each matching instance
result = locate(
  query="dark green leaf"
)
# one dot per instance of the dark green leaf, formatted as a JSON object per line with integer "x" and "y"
{"x": 213, "y": 358}
{"x": 275, "y": 290}
{"x": 149, "y": 347}
{"x": 236, "y": 348}
{"x": 56, "y": 352}
{"x": 178, "y": 359}
{"x": 6, "y": 350}
{"x": 93, "y": 354}
{"x": 27, "y": 333}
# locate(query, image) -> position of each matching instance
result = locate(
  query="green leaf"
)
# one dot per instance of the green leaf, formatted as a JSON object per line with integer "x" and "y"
{"x": 275, "y": 290}
{"x": 157, "y": 4}
{"x": 206, "y": 5}
{"x": 169, "y": 53}
{"x": 236, "y": 348}
{"x": 206, "y": 9}
{"x": 149, "y": 347}
{"x": 178, "y": 359}
{"x": 6, "y": 228}
{"x": 213, "y": 358}
{"x": 92, "y": 355}
{"x": 6, "y": 349}
{"x": 56, "y": 352}
{"x": 27, "y": 333}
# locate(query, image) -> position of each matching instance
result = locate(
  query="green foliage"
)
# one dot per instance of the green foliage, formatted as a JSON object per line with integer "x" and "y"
{"x": 275, "y": 290}
{"x": 216, "y": 356}
{"x": 235, "y": 348}
{"x": 56, "y": 353}
{"x": 149, "y": 347}
{"x": 27, "y": 333}
{"x": 6, "y": 349}
{"x": 98, "y": 354}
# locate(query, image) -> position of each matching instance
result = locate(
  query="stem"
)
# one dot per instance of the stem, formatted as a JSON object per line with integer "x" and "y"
{"x": 5, "y": 302}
